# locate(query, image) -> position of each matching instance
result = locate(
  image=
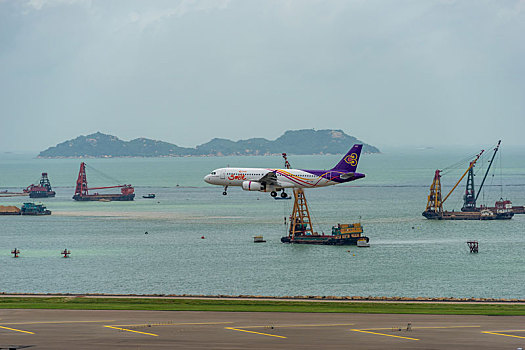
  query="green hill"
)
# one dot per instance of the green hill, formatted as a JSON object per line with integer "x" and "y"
{"x": 307, "y": 141}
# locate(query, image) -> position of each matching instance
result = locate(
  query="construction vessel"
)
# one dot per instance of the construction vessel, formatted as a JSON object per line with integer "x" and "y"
{"x": 300, "y": 230}
{"x": 42, "y": 190}
{"x": 434, "y": 210}
{"x": 82, "y": 190}
{"x": 470, "y": 198}
{"x": 34, "y": 209}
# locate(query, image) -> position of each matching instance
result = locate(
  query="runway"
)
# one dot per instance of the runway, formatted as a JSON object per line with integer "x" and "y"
{"x": 110, "y": 329}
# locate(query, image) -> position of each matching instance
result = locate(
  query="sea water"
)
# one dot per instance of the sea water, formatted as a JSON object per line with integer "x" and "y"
{"x": 409, "y": 255}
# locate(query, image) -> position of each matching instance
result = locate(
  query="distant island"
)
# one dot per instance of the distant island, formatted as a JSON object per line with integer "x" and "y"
{"x": 307, "y": 141}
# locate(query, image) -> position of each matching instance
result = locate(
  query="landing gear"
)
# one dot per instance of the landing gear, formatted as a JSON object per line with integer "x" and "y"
{"x": 273, "y": 194}
{"x": 284, "y": 194}
{"x": 225, "y": 193}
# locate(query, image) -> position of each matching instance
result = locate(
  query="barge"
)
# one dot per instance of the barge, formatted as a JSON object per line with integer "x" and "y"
{"x": 82, "y": 190}
{"x": 301, "y": 232}
{"x": 352, "y": 235}
{"x": 9, "y": 210}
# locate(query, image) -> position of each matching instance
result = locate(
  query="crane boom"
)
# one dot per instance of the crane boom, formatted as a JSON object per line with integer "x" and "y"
{"x": 101, "y": 188}
{"x": 487, "y": 172}
{"x": 465, "y": 173}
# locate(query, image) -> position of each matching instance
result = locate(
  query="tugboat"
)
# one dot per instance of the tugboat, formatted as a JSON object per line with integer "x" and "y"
{"x": 149, "y": 196}
{"x": 42, "y": 190}
{"x": 34, "y": 209}
{"x": 503, "y": 209}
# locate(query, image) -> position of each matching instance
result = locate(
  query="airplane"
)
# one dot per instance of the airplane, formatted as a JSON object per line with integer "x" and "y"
{"x": 273, "y": 180}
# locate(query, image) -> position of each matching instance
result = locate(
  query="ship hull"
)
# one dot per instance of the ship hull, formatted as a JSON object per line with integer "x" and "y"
{"x": 466, "y": 215}
{"x": 322, "y": 240}
{"x": 105, "y": 197}
{"x": 45, "y": 212}
{"x": 41, "y": 194}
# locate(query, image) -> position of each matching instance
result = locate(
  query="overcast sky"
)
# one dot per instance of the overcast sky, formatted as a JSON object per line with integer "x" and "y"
{"x": 415, "y": 73}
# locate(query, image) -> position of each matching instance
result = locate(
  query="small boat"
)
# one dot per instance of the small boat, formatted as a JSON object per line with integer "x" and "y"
{"x": 258, "y": 239}
{"x": 363, "y": 243}
{"x": 487, "y": 215}
{"x": 149, "y": 195}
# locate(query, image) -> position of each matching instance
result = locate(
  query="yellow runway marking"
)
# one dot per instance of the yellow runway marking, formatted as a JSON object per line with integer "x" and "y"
{"x": 17, "y": 330}
{"x": 301, "y": 325}
{"x": 386, "y": 335}
{"x": 506, "y": 335}
{"x": 65, "y": 322}
{"x": 242, "y": 330}
{"x": 169, "y": 324}
{"x": 436, "y": 327}
{"x": 130, "y": 330}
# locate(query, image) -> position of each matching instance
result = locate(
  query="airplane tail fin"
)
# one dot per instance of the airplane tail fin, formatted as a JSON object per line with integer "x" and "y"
{"x": 349, "y": 162}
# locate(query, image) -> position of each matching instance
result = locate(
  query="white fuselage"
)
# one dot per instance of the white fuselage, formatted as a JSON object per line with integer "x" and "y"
{"x": 286, "y": 178}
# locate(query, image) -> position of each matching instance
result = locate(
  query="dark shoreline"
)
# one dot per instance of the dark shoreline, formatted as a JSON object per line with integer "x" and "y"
{"x": 277, "y": 298}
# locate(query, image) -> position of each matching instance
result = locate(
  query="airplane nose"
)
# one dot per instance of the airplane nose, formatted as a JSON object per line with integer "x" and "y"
{"x": 207, "y": 178}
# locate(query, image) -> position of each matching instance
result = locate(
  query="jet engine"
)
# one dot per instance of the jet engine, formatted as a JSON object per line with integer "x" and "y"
{"x": 252, "y": 186}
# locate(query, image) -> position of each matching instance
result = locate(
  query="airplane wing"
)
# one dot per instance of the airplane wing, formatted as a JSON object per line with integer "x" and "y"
{"x": 270, "y": 178}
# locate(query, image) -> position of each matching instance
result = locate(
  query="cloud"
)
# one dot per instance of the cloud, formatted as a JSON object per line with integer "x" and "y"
{"x": 40, "y": 4}
{"x": 148, "y": 18}
{"x": 376, "y": 69}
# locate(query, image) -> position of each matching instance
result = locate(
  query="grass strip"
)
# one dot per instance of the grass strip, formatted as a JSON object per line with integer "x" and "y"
{"x": 85, "y": 303}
